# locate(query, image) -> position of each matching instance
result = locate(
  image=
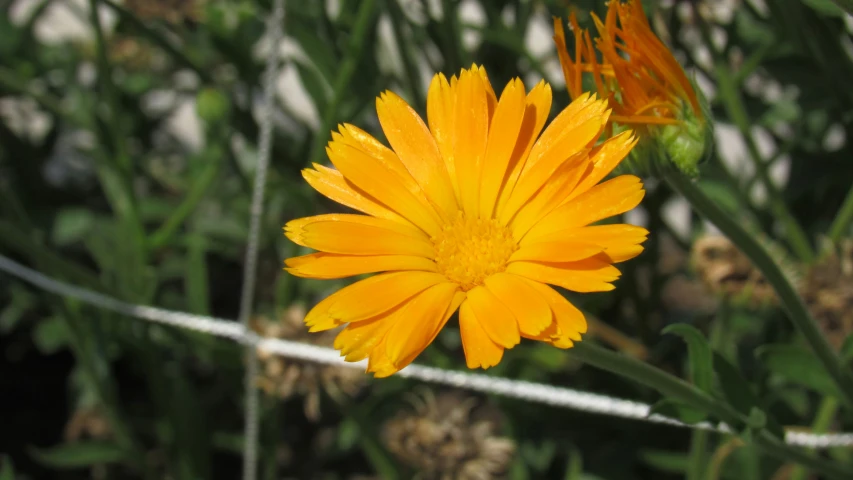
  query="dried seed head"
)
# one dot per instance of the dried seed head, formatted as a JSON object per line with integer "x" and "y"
{"x": 448, "y": 437}
{"x": 286, "y": 378}
{"x": 828, "y": 290}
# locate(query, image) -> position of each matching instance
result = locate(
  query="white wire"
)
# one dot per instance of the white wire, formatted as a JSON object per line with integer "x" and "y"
{"x": 250, "y": 435}
{"x": 522, "y": 390}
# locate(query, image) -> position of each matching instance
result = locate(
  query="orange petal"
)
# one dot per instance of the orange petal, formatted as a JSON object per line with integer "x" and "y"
{"x": 528, "y": 306}
{"x": 503, "y": 137}
{"x": 589, "y": 275}
{"x": 548, "y": 197}
{"x": 498, "y": 322}
{"x": 330, "y": 183}
{"x": 417, "y": 150}
{"x": 368, "y": 298}
{"x": 358, "y": 340}
{"x": 556, "y": 251}
{"x": 441, "y": 115}
{"x": 472, "y": 124}
{"x": 571, "y": 147}
{"x": 374, "y": 177}
{"x": 605, "y": 158}
{"x": 610, "y": 198}
{"x": 419, "y": 321}
{"x": 569, "y": 322}
{"x": 536, "y": 111}
{"x": 620, "y": 242}
{"x": 480, "y": 350}
{"x": 331, "y": 265}
{"x": 358, "y": 235}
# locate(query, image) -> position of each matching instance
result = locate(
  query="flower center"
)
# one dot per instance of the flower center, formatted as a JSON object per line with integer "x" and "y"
{"x": 470, "y": 249}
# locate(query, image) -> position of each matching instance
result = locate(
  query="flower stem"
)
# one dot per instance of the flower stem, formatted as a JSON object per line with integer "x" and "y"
{"x": 842, "y": 219}
{"x": 733, "y": 105}
{"x": 791, "y": 300}
{"x": 673, "y": 387}
{"x": 825, "y": 414}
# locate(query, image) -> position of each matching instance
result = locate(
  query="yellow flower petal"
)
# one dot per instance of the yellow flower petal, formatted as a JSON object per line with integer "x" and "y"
{"x": 619, "y": 242}
{"x": 480, "y": 350}
{"x": 503, "y": 137}
{"x": 549, "y": 196}
{"x": 610, "y": 198}
{"x": 417, "y": 150}
{"x": 358, "y": 340}
{"x": 441, "y": 116}
{"x": 368, "y": 298}
{"x": 331, "y": 265}
{"x": 371, "y": 175}
{"x": 536, "y": 111}
{"x": 358, "y": 235}
{"x": 569, "y": 322}
{"x": 539, "y": 169}
{"x": 498, "y": 322}
{"x": 472, "y": 124}
{"x": 589, "y": 275}
{"x": 556, "y": 251}
{"x": 332, "y": 184}
{"x": 605, "y": 158}
{"x": 530, "y": 309}
{"x": 419, "y": 322}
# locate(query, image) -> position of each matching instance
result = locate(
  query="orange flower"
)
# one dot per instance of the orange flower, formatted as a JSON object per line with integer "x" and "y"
{"x": 637, "y": 73}
{"x": 475, "y": 212}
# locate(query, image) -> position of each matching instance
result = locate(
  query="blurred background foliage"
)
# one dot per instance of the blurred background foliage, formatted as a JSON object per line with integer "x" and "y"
{"x": 127, "y": 148}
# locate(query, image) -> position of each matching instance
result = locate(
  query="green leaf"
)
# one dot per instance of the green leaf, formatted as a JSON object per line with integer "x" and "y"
{"x": 825, "y": 7}
{"x": 797, "y": 366}
{"x": 735, "y": 388}
{"x": 699, "y": 354}
{"x": 348, "y": 434}
{"x": 7, "y": 468}
{"x": 80, "y": 454}
{"x": 71, "y": 225}
{"x": 20, "y": 303}
{"x": 671, "y": 462}
{"x": 50, "y": 335}
{"x": 738, "y": 392}
{"x": 574, "y": 469}
{"x": 673, "y": 409}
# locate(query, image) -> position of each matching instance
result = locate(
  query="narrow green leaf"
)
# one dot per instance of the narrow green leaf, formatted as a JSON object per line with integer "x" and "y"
{"x": 671, "y": 408}
{"x": 671, "y": 462}
{"x": 825, "y": 7}
{"x": 738, "y": 392}
{"x": 574, "y": 469}
{"x": 71, "y": 225}
{"x": 81, "y": 454}
{"x": 196, "y": 279}
{"x": 7, "y": 468}
{"x": 797, "y": 366}
{"x": 699, "y": 354}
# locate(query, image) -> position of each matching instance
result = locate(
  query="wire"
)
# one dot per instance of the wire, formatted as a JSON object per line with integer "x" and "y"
{"x": 247, "y": 295}
{"x": 522, "y": 390}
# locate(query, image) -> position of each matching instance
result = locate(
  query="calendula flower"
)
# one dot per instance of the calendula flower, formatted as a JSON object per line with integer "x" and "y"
{"x": 640, "y": 78}
{"x": 473, "y": 211}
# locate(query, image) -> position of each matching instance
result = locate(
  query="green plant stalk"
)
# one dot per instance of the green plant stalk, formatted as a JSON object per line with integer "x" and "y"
{"x": 698, "y": 459}
{"x": 46, "y": 101}
{"x": 846, "y": 5}
{"x": 788, "y": 295}
{"x": 453, "y": 35}
{"x": 825, "y": 413}
{"x": 355, "y": 48}
{"x": 410, "y": 69}
{"x": 736, "y": 111}
{"x": 843, "y": 219}
{"x": 675, "y": 388}
{"x": 198, "y": 190}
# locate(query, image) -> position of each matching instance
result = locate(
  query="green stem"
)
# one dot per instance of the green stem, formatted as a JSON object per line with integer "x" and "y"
{"x": 843, "y": 219}
{"x": 825, "y": 414}
{"x": 453, "y": 51}
{"x": 791, "y": 300}
{"x": 733, "y": 104}
{"x": 363, "y": 24}
{"x": 410, "y": 69}
{"x": 675, "y": 388}
{"x": 197, "y": 192}
{"x": 846, "y": 5}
